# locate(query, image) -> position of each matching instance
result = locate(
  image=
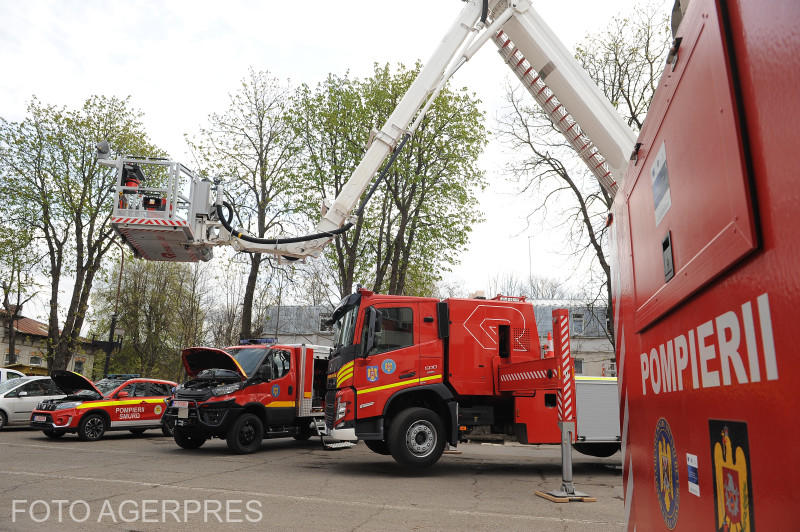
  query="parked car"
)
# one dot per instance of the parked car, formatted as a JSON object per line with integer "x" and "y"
{"x": 118, "y": 402}
{"x": 9, "y": 374}
{"x": 20, "y": 395}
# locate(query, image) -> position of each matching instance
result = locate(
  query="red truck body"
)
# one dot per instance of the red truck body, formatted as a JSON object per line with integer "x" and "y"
{"x": 707, "y": 279}
{"x": 460, "y": 364}
{"x": 246, "y": 393}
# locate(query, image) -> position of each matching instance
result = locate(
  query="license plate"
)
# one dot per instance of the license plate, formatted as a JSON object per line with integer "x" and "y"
{"x": 183, "y": 412}
{"x": 180, "y": 404}
{"x": 39, "y": 418}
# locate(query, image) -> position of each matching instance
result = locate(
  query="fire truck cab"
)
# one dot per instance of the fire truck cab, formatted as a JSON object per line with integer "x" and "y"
{"x": 408, "y": 375}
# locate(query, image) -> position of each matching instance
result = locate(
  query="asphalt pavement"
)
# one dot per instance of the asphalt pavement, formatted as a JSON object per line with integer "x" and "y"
{"x": 125, "y": 482}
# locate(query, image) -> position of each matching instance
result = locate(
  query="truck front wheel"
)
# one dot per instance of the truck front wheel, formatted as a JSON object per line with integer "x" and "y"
{"x": 378, "y": 446}
{"x": 188, "y": 440}
{"x": 245, "y": 434}
{"x": 416, "y": 438}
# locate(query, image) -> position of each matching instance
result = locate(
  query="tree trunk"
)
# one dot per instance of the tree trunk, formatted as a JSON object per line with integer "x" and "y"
{"x": 249, "y": 293}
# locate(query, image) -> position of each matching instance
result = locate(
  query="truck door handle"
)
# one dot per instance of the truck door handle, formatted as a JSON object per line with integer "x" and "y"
{"x": 407, "y": 375}
{"x": 290, "y": 390}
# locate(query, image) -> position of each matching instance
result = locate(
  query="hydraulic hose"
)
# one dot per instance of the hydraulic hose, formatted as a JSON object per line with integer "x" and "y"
{"x": 226, "y": 223}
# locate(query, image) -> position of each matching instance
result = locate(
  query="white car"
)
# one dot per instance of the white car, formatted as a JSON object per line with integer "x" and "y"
{"x": 8, "y": 374}
{"x": 18, "y": 398}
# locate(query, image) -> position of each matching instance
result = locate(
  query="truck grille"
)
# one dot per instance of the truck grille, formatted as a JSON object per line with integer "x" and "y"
{"x": 330, "y": 408}
{"x": 193, "y": 395}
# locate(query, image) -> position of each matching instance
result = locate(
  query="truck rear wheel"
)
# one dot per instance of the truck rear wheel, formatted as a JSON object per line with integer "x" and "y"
{"x": 600, "y": 449}
{"x": 245, "y": 434}
{"x": 188, "y": 440}
{"x": 303, "y": 432}
{"x": 378, "y": 446}
{"x": 416, "y": 438}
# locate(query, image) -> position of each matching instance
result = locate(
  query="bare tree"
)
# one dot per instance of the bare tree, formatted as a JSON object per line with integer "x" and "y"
{"x": 533, "y": 287}
{"x": 253, "y": 148}
{"x": 626, "y": 61}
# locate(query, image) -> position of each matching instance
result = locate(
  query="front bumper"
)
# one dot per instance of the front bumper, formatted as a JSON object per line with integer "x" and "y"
{"x": 209, "y": 418}
{"x": 52, "y": 421}
{"x": 348, "y": 434}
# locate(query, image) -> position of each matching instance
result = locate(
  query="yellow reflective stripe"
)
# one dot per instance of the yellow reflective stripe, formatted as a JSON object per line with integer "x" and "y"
{"x": 280, "y": 404}
{"x": 344, "y": 369}
{"x": 94, "y": 404}
{"x": 401, "y": 383}
{"x": 596, "y": 379}
{"x": 342, "y": 378}
{"x": 307, "y": 395}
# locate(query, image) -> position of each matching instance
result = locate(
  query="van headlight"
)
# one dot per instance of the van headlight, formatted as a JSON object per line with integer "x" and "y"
{"x": 225, "y": 389}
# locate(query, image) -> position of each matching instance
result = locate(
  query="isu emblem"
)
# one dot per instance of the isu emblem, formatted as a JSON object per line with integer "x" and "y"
{"x": 372, "y": 373}
{"x": 276, "y": 390}
{"x": 388, "y": 366}
{"x": 733, "y": 498}
{"x": 157, "y": 409}
{"x": 665, "y": 467}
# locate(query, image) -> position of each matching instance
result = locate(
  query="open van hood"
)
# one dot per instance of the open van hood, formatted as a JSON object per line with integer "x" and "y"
{"x": 196, "y": 359}
{"x": 71, "y": 383}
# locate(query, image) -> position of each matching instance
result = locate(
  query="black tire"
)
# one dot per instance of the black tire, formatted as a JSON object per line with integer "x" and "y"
{"x": 188, "y": 440}
{"x": 303, "y": 432}
{"x": 166, "y": 430}
{"x": 378, "y": 446}
{"x": 137, "y": 432}
{"x": 92, "y": 427}
{"x": 416, "y": 438}
{"x": 245, "y": 434}
{"x": 54, "y": 434}
{"x": 599, "y": 450}
{"x": 3, "y": 420}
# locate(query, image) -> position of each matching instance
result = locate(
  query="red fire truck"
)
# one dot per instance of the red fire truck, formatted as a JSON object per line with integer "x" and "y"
{"x": 705, "y": 277}
{"x": 408, "y": 374}
{"x": 246, "y": 393}
{"x": 117, "y": 402}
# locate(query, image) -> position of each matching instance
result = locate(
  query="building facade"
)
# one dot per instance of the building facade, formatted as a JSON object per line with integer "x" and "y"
{"x": 31, "y": 349}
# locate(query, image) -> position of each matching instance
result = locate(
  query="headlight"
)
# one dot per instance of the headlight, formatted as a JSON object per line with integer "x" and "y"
{"x": 71, "y": 404}
{"x": 226, "y": 389}
{"x": 341, "y": 410}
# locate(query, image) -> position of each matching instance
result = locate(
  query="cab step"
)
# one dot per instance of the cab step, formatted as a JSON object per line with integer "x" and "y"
{"x": 328, "y": 442}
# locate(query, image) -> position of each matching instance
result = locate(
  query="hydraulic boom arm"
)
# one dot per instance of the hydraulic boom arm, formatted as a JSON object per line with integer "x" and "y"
{"x": 566, "y": 93}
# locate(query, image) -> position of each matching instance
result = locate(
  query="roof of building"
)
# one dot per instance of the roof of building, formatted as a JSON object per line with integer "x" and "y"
{"x": 30, "y": 326}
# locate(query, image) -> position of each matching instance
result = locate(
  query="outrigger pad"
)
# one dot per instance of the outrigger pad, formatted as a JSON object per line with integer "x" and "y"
{"x": 562, "y": 496}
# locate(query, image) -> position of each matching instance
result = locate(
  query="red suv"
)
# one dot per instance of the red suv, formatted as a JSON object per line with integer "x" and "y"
{"x": 118, "y": 402}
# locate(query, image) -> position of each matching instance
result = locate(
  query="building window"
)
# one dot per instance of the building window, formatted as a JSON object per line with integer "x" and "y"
{"x": 323, "y": 322}
{"x": 577, "y": 323}
{"x": 7, "y": 359}
{"x": 578, "y": 366}
{"x": 36, "y": 361}
{"x": 78, "y": 366}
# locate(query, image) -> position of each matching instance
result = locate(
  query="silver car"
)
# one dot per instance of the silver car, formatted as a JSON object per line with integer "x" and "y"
{"x": 18, "y": 398}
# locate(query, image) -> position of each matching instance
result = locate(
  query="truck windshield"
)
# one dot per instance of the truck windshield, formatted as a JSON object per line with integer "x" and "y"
{"x": 344, "y": 328}
{"x": 249, "y": 358}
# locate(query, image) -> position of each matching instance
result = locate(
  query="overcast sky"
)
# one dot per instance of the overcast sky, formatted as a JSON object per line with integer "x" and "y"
{"x": 179, "y": 60}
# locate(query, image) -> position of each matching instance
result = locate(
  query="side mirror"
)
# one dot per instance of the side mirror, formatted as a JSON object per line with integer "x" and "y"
{"x": 23, "y": 394}
{"x": 122, "y": 395}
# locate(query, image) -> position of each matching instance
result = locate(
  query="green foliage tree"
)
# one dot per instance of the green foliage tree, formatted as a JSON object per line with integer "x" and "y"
{"x": 18, "y": 263}
{"x": 420, "y": 218}
{"x": 55, "y": 188}
{"x": 161, "y": 309}
{"x": 251, "y": 146}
